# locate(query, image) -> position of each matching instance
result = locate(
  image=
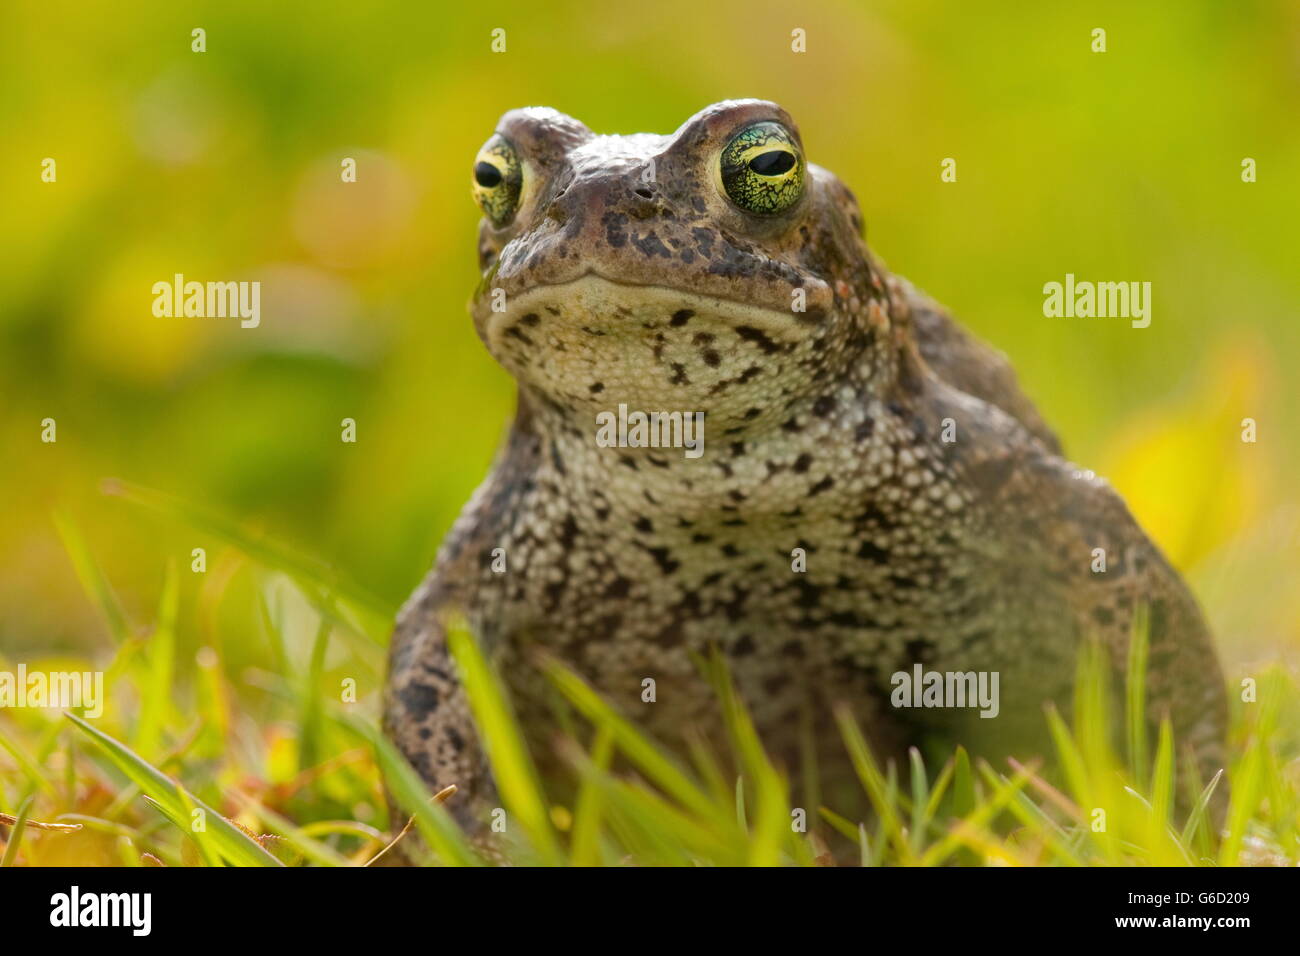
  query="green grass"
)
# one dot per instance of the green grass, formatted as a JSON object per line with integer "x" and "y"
{"x": 229, "y": 737}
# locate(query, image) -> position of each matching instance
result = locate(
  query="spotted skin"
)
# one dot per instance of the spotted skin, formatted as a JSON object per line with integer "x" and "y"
{"x": 939, "y": 523}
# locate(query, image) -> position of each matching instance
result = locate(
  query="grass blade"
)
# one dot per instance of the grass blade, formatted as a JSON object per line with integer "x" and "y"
{"x": 1247, "y": 784}
{"x": 92, "y": 577}
{"x": 585, "y": 850}
{"x": 661, "y": 769}
{"x": 1196, "y": 818}
{"x": 771, "y": 805}
{"x": 230, "y": 842}
{"x": 1135, "y": 717}
{"x": 873, "y": 781}
{"x": 16, "y": 831}
{"x": 512, "y": 767}
{"x": 156, "y": 688}
{"x": 311, "y": 720}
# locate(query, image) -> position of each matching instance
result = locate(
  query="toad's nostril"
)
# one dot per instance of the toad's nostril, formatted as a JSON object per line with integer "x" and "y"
{"x": 642, "y": 203}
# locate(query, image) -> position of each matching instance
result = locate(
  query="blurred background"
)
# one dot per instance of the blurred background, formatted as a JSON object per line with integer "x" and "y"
{"x": 224, "y": 165}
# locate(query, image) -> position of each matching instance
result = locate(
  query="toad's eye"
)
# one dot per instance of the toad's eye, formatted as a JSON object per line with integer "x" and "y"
{"x": 498, "y": 177}
{"x": 762, "y": 170}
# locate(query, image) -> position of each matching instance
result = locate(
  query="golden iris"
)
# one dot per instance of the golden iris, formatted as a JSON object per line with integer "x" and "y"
{"x": 497, "y": 180}
{"x": 762, "y": 170}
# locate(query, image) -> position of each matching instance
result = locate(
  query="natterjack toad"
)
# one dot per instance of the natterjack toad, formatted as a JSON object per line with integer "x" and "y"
{"x": 874, "y": 500}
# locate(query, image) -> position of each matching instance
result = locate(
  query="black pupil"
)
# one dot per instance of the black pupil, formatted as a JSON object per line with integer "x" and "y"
{"x": 487, "y": 175}
{"x": 772, "y": 163}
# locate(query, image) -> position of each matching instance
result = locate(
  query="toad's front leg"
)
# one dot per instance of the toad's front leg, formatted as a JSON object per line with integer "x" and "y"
{"x": 427, "y": 715}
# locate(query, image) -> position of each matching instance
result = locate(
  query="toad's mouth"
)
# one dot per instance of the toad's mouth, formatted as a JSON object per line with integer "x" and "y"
{"x": 602, "y": 306}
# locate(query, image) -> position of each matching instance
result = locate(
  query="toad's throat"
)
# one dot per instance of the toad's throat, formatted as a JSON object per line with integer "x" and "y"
{"x": 592, "y": 344}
